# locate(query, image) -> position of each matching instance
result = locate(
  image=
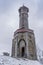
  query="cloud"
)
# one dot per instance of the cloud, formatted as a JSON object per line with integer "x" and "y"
{"x": 40, "y": 10}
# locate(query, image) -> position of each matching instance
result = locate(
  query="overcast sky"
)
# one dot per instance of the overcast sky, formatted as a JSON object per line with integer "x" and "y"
{"x": 9, "y": 21}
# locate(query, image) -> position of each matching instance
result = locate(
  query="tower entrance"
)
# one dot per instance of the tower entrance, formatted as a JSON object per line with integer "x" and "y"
{"x": 23, "y": 51}
{"x": 22, "y": 48}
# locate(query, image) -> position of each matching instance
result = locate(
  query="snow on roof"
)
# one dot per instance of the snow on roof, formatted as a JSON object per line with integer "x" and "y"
{"x": 6, "y": 60}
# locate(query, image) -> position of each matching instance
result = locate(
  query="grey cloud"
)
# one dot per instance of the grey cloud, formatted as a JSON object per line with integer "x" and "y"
{"x": 5, "y": 5}
{"x": 40, "y": 10}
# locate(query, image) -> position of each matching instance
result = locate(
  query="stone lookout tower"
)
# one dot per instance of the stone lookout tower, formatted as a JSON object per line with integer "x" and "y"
{"x": 23, "y": 43}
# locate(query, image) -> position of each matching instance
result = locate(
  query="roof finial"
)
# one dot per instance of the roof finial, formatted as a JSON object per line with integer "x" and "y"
{"x": 23, "y": 4}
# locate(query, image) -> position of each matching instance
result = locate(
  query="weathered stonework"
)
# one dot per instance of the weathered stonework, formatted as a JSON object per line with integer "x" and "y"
{"x": 23, "y": 43}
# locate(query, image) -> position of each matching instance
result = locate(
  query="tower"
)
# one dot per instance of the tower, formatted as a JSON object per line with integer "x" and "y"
{"x": 23, "y": 43}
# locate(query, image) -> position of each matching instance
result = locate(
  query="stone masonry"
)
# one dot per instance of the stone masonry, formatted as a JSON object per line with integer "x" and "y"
{"x": 23, "y": 43}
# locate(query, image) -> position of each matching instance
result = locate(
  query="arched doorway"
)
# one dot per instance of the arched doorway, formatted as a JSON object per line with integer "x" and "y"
{"x": 22, "y": 48}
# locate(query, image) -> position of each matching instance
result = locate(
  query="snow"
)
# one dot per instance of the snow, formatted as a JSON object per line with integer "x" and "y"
{"x": 7, "y": 60}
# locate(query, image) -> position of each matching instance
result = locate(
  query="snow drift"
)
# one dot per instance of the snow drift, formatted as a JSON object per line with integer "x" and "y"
{"x": 6, "y": 60}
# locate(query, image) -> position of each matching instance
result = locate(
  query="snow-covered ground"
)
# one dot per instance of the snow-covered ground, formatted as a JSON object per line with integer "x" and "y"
{"x": 6, "y": 60}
